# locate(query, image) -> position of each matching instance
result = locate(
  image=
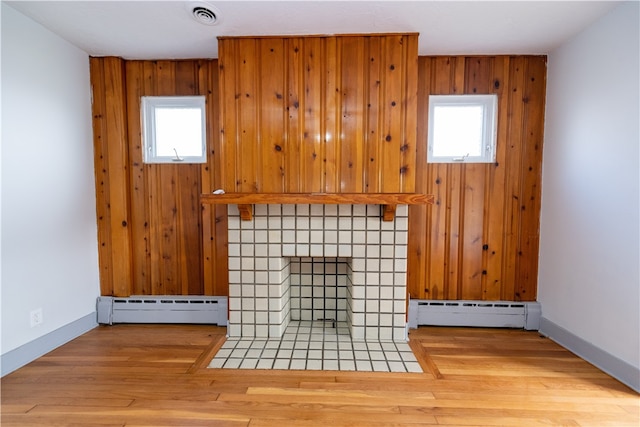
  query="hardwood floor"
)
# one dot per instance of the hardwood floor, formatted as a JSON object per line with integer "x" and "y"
{"x": 156, "y": 375}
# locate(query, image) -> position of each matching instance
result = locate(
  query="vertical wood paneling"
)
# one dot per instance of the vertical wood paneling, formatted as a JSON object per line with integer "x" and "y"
{"x": 308, "y": 83}
{"x": 140, "y": 219}
{"x": 472, "y": 231}
{"x": 248, "y": 136}
{"x": 352, "y": 115}
{"x": 453, "y": 212}
{"x": 163, "y": 188}
{"x": 215, "y": 273}
{"x": 294, "y": 139}
{"x": 118, "y": 176}
{"x": 478, "y": 80}
{"x": 478, "y": 241}
{"x": 408, "y": 148}
{"x": 390, "y": 108}
{"x": 373, "y": 163}
{"x": 271, "y": 115}
{"x": 151, "y": 193}
{"x": 330, "y": 116}
{"x": 101, "y": 168}
{"x": 454, "y": 253}
{"x": 493, "y": 250}
{"x": 533, "y": 133}
{"x": 188, "y": 200}
{"x": 164, "y": 247}
{"x": 440, "y": 80}
{"x": 419, "y": 234}
{"x": 480, "y": 237}
{"x": 335, "y": 120}
{"x": 228, "y": 64}
{"x": 514, "y": 146}
{"x": 110, "y": 127}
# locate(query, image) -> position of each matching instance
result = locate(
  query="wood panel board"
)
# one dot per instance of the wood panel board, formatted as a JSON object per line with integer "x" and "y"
{"x": 110, "y": 144}
{"x": 101, "y": 170}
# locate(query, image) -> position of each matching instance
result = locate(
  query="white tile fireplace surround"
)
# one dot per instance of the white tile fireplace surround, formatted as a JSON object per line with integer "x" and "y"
{"x": 310, "y": 262}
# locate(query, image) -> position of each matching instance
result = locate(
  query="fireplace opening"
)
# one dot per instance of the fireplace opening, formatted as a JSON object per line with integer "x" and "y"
{"x": 319, "y": 289}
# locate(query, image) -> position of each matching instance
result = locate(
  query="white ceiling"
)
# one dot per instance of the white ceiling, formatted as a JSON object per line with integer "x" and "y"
{"x": 166, "y": 29}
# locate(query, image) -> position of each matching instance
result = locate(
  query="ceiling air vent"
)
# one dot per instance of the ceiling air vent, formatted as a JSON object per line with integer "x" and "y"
{"x": 204, "y": 13}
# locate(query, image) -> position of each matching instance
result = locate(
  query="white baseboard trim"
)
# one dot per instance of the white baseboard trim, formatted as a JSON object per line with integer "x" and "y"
{"x": 17, "y": 358}
{"x": 617, "y": 368}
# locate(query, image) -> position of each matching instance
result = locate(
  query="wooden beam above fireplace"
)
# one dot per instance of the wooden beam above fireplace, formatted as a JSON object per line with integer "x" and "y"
{"x": 387, "y": 200}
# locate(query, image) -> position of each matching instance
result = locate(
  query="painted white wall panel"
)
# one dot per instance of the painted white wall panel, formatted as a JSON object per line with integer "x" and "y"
{"x": 49, "y": 234}
{"x": 589, "y": 279}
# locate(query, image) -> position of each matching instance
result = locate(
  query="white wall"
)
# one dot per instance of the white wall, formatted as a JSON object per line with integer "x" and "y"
{"x": 589, "y": 276}
{"x": 49, "y": 237}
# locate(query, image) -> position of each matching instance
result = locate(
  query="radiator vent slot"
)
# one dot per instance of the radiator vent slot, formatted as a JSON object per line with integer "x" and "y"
{"x": 163, "y": 309}
{"x": 503, "y": 314}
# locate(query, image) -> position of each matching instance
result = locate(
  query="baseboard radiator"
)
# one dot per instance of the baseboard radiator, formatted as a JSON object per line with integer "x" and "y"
{"x": 496, "y": 314}
{"x": 163, "y": 309}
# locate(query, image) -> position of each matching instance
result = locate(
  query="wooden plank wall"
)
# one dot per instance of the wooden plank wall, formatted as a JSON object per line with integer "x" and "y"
{"x": 111, "y": 165}
{"x": 150, "y": 221}
{"x": 325, "y": 114}
{"x": 479, "y": 241}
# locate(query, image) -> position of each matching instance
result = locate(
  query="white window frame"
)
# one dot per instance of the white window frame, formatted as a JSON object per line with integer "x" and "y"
{"x": 148, "y": 106}
{"x": 489, "y": 103}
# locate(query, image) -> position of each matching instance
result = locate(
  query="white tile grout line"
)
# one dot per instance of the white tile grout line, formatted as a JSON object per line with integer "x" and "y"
{"x": 304, "y": 347}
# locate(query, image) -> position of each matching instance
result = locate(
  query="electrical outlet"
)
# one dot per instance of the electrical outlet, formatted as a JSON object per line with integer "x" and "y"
{"x": 36, "y": 317}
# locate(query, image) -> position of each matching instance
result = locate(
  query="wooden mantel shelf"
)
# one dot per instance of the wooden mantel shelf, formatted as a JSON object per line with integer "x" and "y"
{"x": 389, "y": 201}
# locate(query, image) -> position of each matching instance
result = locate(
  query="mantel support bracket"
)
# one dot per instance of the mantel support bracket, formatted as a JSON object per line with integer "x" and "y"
{"x": 246, "y": 212}
{"x": 388, "y": 212}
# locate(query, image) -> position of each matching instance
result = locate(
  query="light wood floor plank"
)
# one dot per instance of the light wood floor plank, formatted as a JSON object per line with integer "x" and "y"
{"x": 156, "y": 375}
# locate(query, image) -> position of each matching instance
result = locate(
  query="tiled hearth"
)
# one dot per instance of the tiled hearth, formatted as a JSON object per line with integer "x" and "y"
{"x": 267, "y": 256}
{"x": 316, "y": 345}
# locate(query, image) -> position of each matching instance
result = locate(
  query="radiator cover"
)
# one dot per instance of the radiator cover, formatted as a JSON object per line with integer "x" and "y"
{"x": 499, "y": 314}
{"x": 162, "y": 309}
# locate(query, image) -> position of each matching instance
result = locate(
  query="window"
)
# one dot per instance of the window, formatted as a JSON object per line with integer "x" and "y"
{"x": 174, "y": 129}
{"x": 462, "y": 128}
